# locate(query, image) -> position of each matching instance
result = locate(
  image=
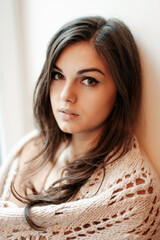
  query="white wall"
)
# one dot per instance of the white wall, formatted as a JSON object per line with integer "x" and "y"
{"x": 28, "y": 25}
{"x": 11, "y": 88}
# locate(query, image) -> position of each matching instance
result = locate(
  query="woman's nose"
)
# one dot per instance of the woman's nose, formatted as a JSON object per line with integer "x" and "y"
{"x": 68, "y": 93}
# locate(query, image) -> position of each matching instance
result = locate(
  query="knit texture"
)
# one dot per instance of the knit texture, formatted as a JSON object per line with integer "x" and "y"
{"x": 125, "y": 207}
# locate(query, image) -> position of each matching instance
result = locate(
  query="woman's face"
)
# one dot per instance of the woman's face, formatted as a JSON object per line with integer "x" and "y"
{"x": 82, "y": 92}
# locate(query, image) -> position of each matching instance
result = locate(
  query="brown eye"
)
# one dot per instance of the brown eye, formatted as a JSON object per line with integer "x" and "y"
{"x": 90, "y": 81}
{"x": 57, "y": 76}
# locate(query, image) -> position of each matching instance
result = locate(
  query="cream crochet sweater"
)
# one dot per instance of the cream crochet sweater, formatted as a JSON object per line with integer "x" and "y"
{"x": 126, "y": 206}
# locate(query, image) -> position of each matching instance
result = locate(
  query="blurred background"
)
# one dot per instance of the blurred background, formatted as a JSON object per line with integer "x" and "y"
{"x": 26, "y": 26}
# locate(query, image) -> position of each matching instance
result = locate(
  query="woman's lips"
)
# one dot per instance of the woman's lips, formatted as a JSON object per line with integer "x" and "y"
{"x": 67, "y": 114}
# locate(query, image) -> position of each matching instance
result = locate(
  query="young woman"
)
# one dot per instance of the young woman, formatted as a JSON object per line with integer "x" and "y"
{"x": 82, "y": 174}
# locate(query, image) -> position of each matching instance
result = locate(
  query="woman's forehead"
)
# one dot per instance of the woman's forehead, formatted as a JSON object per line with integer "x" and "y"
{"x": 81, "y": 54}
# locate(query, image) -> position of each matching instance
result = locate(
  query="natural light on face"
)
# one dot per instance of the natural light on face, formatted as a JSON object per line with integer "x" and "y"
{"x": 82, "y": 92}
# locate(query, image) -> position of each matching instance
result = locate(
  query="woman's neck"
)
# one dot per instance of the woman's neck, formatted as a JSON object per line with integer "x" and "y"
{"x": 82, "y": 143}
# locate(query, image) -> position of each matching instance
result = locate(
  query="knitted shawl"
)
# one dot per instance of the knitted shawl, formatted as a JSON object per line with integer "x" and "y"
{"x": 125, "y": 207}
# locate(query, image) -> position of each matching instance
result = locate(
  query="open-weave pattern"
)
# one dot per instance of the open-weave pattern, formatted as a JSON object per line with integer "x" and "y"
{"x": 127, "y": 206}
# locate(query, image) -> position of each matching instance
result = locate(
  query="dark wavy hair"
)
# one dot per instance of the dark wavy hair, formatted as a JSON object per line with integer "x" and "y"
{"x": 117, "y": 49}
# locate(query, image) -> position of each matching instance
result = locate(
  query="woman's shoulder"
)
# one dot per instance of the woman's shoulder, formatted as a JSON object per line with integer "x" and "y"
{"x": 30, "y": 147}
{"x": 139, "y": 161}
{"x": 22, "y": 144}
{"x": 18, "y": 163}
{"x": 22, "y": 149}
{"x": 133, "y": 171}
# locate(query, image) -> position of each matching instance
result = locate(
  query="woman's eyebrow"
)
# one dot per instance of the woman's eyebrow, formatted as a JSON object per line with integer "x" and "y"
{"x": 54, "y": 66}
{"x": 90, "y": 70}
{"x": 83, "y": 70}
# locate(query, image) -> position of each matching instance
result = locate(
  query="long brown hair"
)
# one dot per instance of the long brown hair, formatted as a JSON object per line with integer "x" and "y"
{"x": 116, "y": 47}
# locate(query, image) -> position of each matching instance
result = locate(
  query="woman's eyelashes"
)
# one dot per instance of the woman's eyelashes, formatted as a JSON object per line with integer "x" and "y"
{"x": 86, "y": 80}
{"x": 57, "y": 76}
{"x": 89, "y": 81}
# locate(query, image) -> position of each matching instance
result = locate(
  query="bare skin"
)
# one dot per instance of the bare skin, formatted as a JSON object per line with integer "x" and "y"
{"x": 83, "y": 86}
